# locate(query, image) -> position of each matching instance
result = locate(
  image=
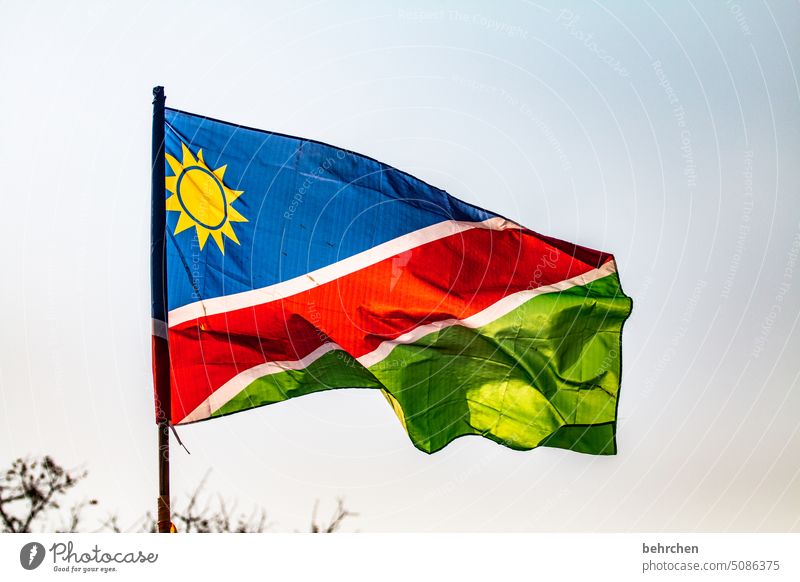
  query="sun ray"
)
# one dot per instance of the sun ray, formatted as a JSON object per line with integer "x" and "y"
{"x": 176, "y": 166}
{"x": 188, "y": 158}
{"x": 202, "y": 237}
{"x": 173, "y": 203}
{"x": 184, "y": 222}
{"x": 217, "y": 236}
{"x": 202, "y": 199}
{"x": 234, "y": 216}
{"x": 227, "y": 230}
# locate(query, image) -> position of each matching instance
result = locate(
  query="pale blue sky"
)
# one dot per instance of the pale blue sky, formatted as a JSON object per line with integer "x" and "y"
{"x": 665, "y": 133}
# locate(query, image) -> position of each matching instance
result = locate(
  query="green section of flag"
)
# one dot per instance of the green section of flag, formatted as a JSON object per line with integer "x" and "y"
{"x": 544, "y": 374}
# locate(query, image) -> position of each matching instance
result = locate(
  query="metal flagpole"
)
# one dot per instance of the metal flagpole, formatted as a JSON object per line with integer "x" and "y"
{"x": 161, "y": 364}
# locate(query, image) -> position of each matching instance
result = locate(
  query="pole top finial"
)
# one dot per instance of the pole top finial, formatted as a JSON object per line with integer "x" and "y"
{"x": 158, "y": 93}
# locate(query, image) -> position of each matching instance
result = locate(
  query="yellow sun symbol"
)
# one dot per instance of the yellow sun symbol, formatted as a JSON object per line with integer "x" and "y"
{"x": 202, "y": 198}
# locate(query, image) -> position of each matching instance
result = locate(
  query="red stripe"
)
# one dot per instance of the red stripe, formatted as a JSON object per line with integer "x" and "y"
{"x": 453, "y": 277}
{"x": 161, "y": 382}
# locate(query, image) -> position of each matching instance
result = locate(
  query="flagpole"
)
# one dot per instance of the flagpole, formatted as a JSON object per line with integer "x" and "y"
{"x": 161, "y": 363}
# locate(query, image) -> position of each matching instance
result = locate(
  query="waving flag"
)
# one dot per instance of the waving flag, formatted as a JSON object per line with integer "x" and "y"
{"x": 294, "y": 267}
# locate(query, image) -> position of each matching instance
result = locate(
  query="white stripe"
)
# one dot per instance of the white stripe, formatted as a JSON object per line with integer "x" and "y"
{"x": 333, "y": 271}
{"x": 159, "y": 328}
{"x": 232, "y": 387}
{"x": 235, "y": 385}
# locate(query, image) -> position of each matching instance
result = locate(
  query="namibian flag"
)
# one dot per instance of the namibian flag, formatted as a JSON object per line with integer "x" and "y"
{"x": 292, "y": 266}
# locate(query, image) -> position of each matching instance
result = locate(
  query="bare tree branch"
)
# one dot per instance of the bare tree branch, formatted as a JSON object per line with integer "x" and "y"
{"x": 200, "y": 515}
{"x": 335, "y": 522}
{"x": 30, "y": 488}
{"x": 34, "y": 489}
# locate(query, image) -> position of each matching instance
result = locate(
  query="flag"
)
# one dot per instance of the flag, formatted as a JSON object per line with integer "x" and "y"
{"x": 292, "y": 267}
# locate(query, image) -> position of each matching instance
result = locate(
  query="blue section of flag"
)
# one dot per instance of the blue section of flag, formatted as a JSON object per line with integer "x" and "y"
{"x": 307, "y": 205}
